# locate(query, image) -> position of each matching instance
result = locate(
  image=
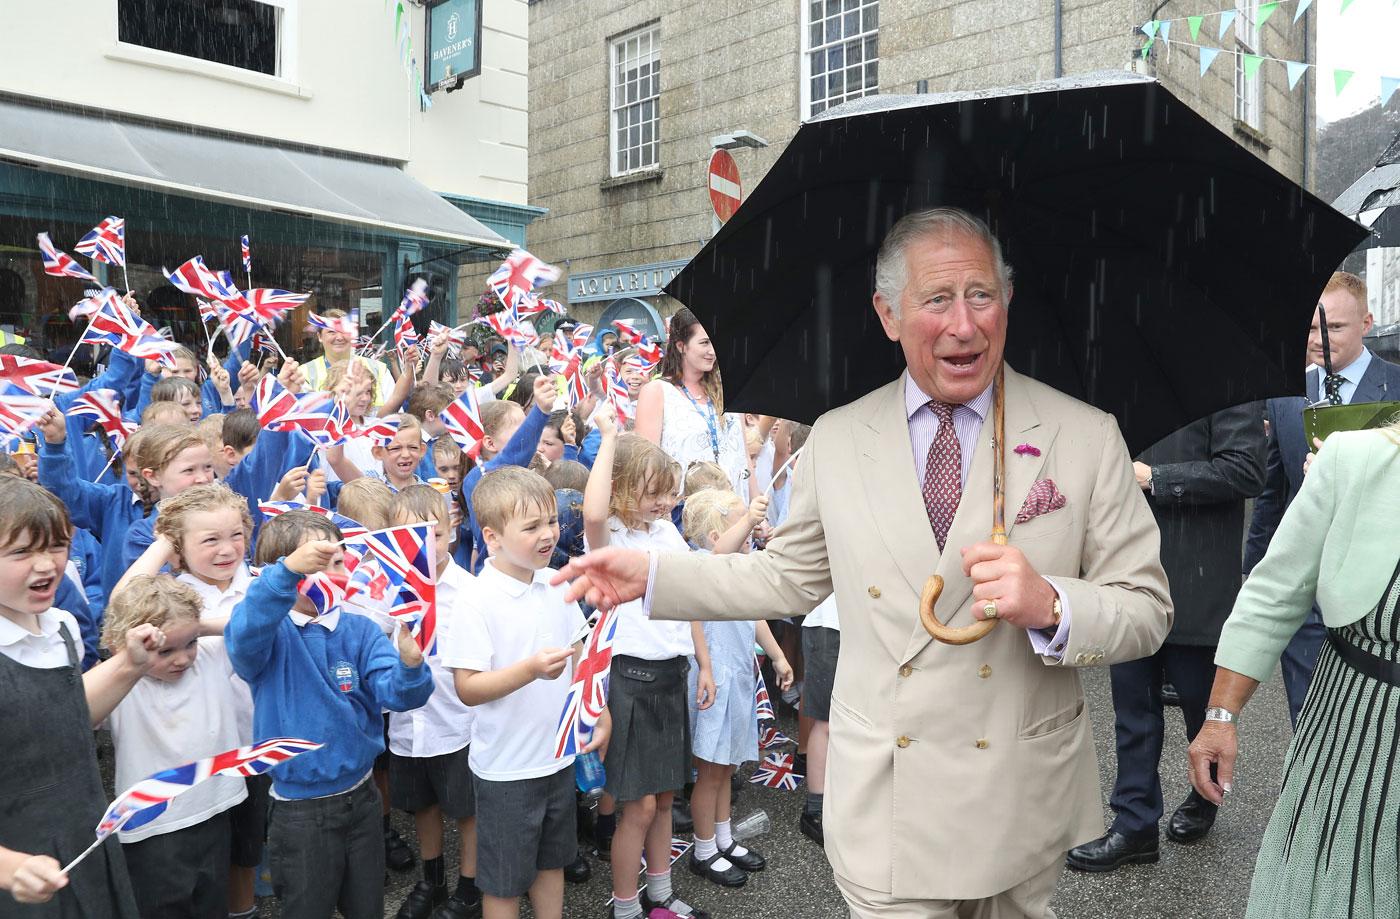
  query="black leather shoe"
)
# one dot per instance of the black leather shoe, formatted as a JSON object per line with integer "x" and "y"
{"x": 1170, "y": 696}
{"x": 421, "y": 900}
{"x": 750, "y": 861}
{"x": 579, "y": 872}
{"x": 455, "y": 908}
{"x": 397, "y": 854}
{"x": 1192, "y": 820}
{"x": 675, "y": 904}
{"x": 729, "y": 876}
{"x": 602, "y": 847}
{"x": 680, "y": 817}
{"x": 1112, "y": 851}
{"x": 811, "y": 827}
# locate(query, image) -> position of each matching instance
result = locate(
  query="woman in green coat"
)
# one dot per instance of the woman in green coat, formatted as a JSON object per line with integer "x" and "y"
{"x": 1331, "y": 846}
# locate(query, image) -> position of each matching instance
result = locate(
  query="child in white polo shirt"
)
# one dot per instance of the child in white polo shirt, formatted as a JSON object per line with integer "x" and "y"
{"x": 513, "y": 652}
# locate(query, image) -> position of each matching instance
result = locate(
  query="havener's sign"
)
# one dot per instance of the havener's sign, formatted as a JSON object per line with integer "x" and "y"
{"x": 633, "y": 281}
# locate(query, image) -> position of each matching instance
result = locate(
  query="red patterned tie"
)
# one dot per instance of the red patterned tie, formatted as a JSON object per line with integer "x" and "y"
{"x": 943, "y": 473}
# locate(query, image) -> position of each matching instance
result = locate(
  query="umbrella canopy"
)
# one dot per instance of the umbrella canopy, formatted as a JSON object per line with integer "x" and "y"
{"x": 1162, "y": 272}
{"x": 1374, "y": 199}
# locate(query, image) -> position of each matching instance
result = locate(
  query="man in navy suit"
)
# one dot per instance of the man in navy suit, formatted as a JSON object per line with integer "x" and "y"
{"x": 1357, "y": 376}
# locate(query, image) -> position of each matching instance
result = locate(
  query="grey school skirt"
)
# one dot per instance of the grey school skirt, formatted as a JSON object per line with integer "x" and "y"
{"x": 649, "y": 752}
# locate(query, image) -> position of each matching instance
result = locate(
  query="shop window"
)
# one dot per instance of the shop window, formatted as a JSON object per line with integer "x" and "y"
{"x": 636, "y": 100}
{"x": 841, "y": 52}
{"x": 246, "y": 34}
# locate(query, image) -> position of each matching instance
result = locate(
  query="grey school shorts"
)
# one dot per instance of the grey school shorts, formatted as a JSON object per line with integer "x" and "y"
{"x": 524, "y": 826}
{"x": 418, "y": 782}
{"x": 820, "y": 648}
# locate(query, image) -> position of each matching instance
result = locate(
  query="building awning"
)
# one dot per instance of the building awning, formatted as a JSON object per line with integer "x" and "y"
{"x": 364, "y": 193}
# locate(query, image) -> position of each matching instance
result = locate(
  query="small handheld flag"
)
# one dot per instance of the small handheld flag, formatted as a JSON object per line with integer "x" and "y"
{"x": 247, "y": 258}
{"x": 59, "y": 263}
{"x": 463, "y": 420}
{"x": 515, "y": 281}
{"x": 104, "y": 406}
{"x": 588, "y": 693}
{"x": 777, "y": 771}
{"x": 763, "y": 706}
{"x": 36, "y": 377}
{"x": 105, "y": 242}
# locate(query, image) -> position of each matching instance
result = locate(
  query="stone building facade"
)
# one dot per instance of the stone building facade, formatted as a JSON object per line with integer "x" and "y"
{"x": 626, "y": 97}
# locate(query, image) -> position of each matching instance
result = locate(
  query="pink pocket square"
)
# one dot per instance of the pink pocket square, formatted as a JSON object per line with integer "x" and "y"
{"x": 1043, "y": 498}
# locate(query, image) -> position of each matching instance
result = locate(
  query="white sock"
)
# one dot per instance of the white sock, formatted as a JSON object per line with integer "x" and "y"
{"x": 659, "y": 886}
{"x": 627, "y": 909}
{"x": 705, "y": 848}
{"x": 724, "y": 838}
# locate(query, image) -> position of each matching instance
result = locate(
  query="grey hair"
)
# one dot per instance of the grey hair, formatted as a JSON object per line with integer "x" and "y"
{"x": 891, "y": 267}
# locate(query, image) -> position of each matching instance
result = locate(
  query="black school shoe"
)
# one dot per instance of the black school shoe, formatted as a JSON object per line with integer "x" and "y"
{"x": 750, "y": 861}
{"x": 730, "y": 876}
{"x": 456, "y": 908}
{"x": 811, "y": 827}
{"x": 397, "y": 854}
{"x": 1112, "y": 851}
{"x": 675, "y": 904}
{"x": 421, "y": 900}
{"x": 579, "y": 872}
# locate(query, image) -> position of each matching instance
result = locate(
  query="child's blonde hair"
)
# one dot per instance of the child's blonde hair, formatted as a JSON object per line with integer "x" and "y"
{"x": 175, "y": 511}
{"x": 508, "y": 492}
{"x": 367, "y": 502}
{"x": 158, "y": 447}
{"x": 211, "y": 431}
{"x": 419, "y": 504}
{"x": 703, "y": 474}
{"x": 494, "y": 416}
{"x": 163, "y": 413}
{"x": 157, "y": 599}
{"x": 406, "y": 423}
{"x": 280, "y": 536}
{"x": 640, "y": 468}
{"x": 705, "y": 511}
{"x": 337, "y": 371}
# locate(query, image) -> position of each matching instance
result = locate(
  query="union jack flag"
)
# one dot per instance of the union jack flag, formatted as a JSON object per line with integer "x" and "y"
{"x": 19, "y": 410}
{"x": 588, "y": 693}
{"x": 679, "y": 846}
{"x": 463, "y": 419}
{"x": 407, "y": 555}
{"x": 637, "y": 363}
{"x": 263, "y": 343}
{"x": 272, "y": 401}
{"x": 59, "y": 263}
{"x": 105, "y": 406}
{"x": 208, "y": 312}
{"x": 414, "y": 299}
{"x": 112, "y": 323}
{"x": 195, "y": 277}
{"x": 405, "y": 335}
{"x": 575, "y": 377}
{"x": 316, "y": 414}
{"x": 349, "y": 529}
{"x": 771, "y": 737}
{"x": 349, "y": 326}
{"x": 617, "y": 392}
{"x": 325, "y": 589}
{"x": 148, "y": 798}
{"x": 776, "y": 771}
{"x": 247, "y": 255}
{"x": 567, "y": 344}
{"x": 763, "y": 706}
{"x": 269, "y": 303}
{"x": 519, "y": 332}
{"x": 381, "y": 431}
{"x": 237, "y": 325}
{"x": 39, "y": 377}
{"x": 536, "y": 305}
{"x": 105, "y": 242}
{"x": 630, "y": 332}
{"x": 650, "y": 353}
{"x": 456, "y": 338}
{"x": 518, "y": 277}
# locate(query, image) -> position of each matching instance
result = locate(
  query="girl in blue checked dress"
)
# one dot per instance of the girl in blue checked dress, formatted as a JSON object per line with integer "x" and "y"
{"x": 725, "y": 735}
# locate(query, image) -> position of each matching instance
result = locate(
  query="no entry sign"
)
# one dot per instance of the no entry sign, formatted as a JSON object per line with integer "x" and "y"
{"x": 725, "y": 191}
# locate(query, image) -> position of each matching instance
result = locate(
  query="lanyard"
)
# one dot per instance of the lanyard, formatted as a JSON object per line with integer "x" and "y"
{"x": 709, "y": 417}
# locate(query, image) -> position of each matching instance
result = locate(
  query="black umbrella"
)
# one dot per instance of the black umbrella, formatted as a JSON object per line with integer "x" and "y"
{"x": 1162, "y": 272}
{"x": 1378, "y": 189}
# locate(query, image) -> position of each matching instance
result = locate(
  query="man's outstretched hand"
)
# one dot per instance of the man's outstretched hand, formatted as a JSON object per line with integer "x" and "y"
{"x": 606, "y": 578}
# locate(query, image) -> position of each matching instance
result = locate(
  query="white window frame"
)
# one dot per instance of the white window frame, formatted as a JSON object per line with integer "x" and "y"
{"x": 808, "y": 50}
{"x": 618, "y": 46}
{"x": 1249, "y": 93}
{"x": 288, "y": 43}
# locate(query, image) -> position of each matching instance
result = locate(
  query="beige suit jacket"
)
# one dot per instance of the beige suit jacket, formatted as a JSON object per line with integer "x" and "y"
{"x": 953, "y": 772}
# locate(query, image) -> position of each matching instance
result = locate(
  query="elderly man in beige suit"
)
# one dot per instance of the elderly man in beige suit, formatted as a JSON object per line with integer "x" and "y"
{"x": 958, "y": 776}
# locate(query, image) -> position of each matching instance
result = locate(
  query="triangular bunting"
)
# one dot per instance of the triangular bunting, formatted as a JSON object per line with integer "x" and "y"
{"x": 1345, "y": 4}
{"x": 1251, "y": 65}
{"x": 1207, "y": 58}
{"x": 1166, "y": 30}
{"x": 1227, "y": 19}
{"x": 1195, "y": 23}
{"x": 1265, "y": 11}
{"x": 1340, "y": 79}
{"x": 1295, "y": 73}
{"x": 1149, "y": 28}
{"x": 1302, "y": 8}
{"x": 1388, "y": 87}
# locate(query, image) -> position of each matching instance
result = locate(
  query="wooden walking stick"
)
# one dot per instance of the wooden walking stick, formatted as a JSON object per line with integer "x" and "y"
{"x": 966, "y": 635}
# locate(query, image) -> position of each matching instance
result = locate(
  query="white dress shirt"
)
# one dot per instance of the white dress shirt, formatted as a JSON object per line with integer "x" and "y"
{"x": 45, "y": 650}
{"x": 1351, "y": 377}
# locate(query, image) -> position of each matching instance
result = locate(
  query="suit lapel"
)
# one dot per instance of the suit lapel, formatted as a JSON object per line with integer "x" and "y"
{"x": 1310, "y": 379}
{"x": 973, "y": 522}
{"x": 1372, "y": 386}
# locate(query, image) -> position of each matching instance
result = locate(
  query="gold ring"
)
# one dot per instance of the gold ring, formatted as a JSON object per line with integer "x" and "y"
{"x": 989, "y": 609}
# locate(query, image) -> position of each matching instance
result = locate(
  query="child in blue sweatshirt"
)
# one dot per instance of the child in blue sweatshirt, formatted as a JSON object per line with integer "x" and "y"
{"x": 327, "y": 679}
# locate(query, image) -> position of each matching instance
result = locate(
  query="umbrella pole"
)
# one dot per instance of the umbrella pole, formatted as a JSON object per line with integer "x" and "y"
{"x": 965, "y": 635}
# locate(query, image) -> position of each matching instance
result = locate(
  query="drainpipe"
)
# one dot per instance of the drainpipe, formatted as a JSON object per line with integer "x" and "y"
{"x": 1059, "y": 39}
{"x": 1306, "y": 178}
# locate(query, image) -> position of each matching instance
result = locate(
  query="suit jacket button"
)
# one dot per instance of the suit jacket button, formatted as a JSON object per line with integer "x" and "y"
{"x": 874, "y": 593}
{"x": 982, "y": 743}
{"x": 984, "y": 671}
{"x": 901, "y": 742}
{"x": 1081, "y": 658}
{"x": 905, "y": 671}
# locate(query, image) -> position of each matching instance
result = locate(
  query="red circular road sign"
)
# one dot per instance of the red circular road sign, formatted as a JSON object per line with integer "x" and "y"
{"x": 725, "y": 191}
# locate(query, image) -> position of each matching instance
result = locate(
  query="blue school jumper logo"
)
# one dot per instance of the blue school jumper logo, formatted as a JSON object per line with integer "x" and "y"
{"x": 344, "y": 676}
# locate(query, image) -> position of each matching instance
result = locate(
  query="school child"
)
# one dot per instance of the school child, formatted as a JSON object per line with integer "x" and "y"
{"x": 325, "y": 678}
{"x": 258, "y": 459}
{"x": 203, "y": 534}
{"x": 627, "y": 503}
{"x": 513, "y": 651}
{"x": 170, "y": 458}
{"x": 424, "y": 405}
{"x": 429, "y": 775}
{"x": 726, "y": 734}
{"x": 368, "y": 502}
{"x": 398, "y": 459}
{"x": 53, "y": 791}
{"x": 181, "y": 710}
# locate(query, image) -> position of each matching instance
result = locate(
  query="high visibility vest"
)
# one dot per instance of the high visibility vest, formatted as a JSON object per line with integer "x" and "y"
{"x": 10, "y": 338}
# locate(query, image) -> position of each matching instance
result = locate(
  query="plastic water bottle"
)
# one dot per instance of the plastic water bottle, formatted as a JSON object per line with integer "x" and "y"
{"x": 755, "y": 824}
{"x": 589, "y": 775}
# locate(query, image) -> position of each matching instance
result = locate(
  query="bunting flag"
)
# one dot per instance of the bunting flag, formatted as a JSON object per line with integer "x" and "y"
{"x": 38, "y": 377}
{"x": 1208, "y": 56}
{"x": 1340, "y": 79}
{"x": 105, "y": 242}
{"x": 777, "y": 771}
{"x": 1388, "y": 87}
{"x": 104, "y": 406}
{"x": 59, "y": 263}
{"x": 463, "y": 420}
{"x": 1194, "y": 23}
{"x": 1302, "y": 8}
{"x": 588, "y": 693}
{"x": 20, "y": 410}
{"x": 407, "y": 555}
{"x": 1251, "y": 65}
{"x": 1265, "y": 11}
{"x": 518, "y": 277}
{"x": 1227, "y": 19}
{"x": 1295, "y": 69}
